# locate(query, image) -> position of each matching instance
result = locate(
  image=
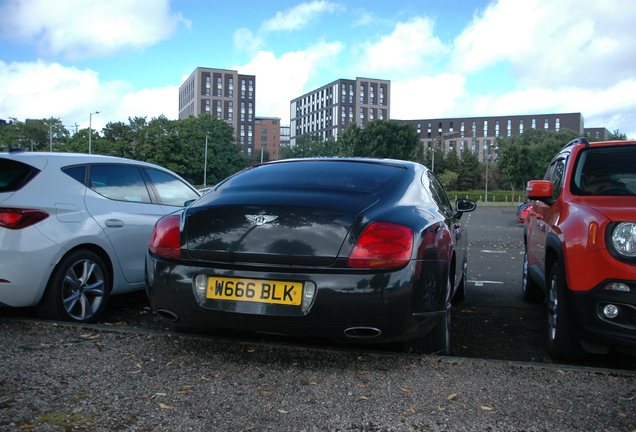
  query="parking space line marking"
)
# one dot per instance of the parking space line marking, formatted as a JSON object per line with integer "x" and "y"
{"x": 481, "y": 283}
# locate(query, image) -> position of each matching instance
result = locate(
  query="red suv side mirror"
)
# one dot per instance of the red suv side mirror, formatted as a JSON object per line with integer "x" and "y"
{"x": 539, "y": 189}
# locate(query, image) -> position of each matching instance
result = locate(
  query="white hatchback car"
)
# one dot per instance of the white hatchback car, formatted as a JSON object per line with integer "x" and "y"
{"x": 74, "y": 228}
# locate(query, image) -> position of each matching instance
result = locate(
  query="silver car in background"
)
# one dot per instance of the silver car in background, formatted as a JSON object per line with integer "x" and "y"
{"x": 74, "y": 228}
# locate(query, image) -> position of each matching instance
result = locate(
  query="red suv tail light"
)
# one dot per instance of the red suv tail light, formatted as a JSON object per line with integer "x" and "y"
{"x": 382, "y": 245}
{"x": 166, "y": 237}
{"x": 13, "y": 218}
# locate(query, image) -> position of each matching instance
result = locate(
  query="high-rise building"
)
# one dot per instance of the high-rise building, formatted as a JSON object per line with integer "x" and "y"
{"x": 478, "y": 134}
{"x": 225, "y": 94}
{"x": 267, "y": 136}
{"x": 329, "y": 109}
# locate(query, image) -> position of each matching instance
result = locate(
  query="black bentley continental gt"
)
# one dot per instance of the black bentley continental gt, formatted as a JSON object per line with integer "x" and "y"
{"x": 355, "y": 250}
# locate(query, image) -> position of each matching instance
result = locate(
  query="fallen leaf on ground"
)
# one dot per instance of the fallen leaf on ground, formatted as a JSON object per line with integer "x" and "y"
{"x": 164, "y": 406}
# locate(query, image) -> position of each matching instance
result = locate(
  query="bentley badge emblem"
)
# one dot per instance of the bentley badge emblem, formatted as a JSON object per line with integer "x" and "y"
{"x": 259, "y": 220}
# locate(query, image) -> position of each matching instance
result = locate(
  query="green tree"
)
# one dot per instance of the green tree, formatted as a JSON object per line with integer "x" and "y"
{"x": 527, "y": 156}
{"x": 617, "y": 136}
{"x": 35, "y": 135}
{"x": 469, "y": 177}
{"x": 309, "y": 145}
{"x": 381, "y": 139}
{"x": 224, "y": 156}
{"x": 449, "y": 179}
{"x": 78, "y": 143}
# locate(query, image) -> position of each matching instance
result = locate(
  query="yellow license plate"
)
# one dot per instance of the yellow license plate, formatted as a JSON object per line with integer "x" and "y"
{"x": 255, "y": 290}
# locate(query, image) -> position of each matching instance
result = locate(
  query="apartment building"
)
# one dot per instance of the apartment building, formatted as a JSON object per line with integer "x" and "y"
{"x": 478, "y": 134}
{"x": 225, "y": 94}
{"x": 267, "y": 136}
{"x": 329, "y": 109}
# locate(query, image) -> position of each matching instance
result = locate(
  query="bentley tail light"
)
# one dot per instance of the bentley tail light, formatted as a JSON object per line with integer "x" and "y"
{"x": 13, "y": 218}
{"x": 382, "y": 244}
{"x": 166, "y": 237}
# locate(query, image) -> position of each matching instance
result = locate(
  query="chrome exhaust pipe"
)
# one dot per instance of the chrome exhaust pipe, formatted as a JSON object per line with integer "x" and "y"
{"x": 362, "y": 332}
{"x": 168, "y": 315}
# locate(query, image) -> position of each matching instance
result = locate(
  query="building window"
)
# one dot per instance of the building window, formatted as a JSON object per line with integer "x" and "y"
{"x": 243, "y": 88}
{"x": 343, "y": 113}
{"x": 462, "y": 129}
{"x": 242, "y": 111}
{"x": 250, "y": 111}
{"x": 350, "y": 114}
{"x": 497, "y": 128}
{"x": 381, "y": 96}
{"x": 361, "y": 116}
{"x": 251, "y": 89}
{"x": 218, "y": 109}
{"x": 207, "y": 106}
{"x": 371, "y": 110}
{"x": 509, "y": 128}
{"x": 219, "y": 87}
{"x": 557, "y": 124}
{"x": 534, "y": 123}
{"x": 350, "y": 93}
{"x": 343, "y": 98}
{"x": 546, "y": 124}
{"x": 207, "y": 86}
{"x": 361, "y": 94}
{"x": 231, "y": 88}
{"x": 372, "y": 95}
{"x": 520, "y": 127}
{"x": 485, "y": 128}
{"x": 230, "y": 110}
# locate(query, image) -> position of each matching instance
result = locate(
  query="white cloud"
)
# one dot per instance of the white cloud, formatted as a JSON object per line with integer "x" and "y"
{"x": 295, "y": 18}
{"x": 612, "y": 108}
{"x": 427, "y": 97}
{"x": 279, "y": 80}
{"x": 299, "y": 16}
{"x": 245, "y": 40}
{"x": 553, "y": 43}
{"x": 71, "y": 94}
{"x": 79, "y": 29}
{"x": 408, "y": 51}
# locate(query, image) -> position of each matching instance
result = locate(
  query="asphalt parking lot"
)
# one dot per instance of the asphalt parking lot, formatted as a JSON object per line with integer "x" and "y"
{"x": 494, "y": 323}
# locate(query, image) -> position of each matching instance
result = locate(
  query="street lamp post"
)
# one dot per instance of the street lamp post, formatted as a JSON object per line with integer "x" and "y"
{"x": 486, "y": 157}
{"x": 205, "y": 163}
{"x": 90, "y": 130}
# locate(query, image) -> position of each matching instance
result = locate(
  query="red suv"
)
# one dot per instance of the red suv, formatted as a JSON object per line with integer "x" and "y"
{"x": 580, "y": 253}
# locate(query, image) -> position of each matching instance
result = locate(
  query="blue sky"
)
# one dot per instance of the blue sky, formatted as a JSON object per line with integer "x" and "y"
{"x": 452, "y": 58}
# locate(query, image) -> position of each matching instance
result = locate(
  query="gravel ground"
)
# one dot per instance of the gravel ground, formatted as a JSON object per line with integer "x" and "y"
{"x": 78, "y": 378}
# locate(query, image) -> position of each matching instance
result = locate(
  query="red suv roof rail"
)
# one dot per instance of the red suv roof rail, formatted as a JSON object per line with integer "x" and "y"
{"x": 581, "y": 140}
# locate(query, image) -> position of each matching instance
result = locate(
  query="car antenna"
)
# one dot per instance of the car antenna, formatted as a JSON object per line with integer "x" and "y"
{"x": 15, "y": 149}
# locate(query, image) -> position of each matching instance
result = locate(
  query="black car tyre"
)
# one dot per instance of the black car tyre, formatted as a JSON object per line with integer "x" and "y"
{"x": 460, "y": 294}
{"x": 531, "y": 290}
{"x": 562, "y": 340}
{"x": 437, "y": 341}
{"x": 77, "y": 290}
